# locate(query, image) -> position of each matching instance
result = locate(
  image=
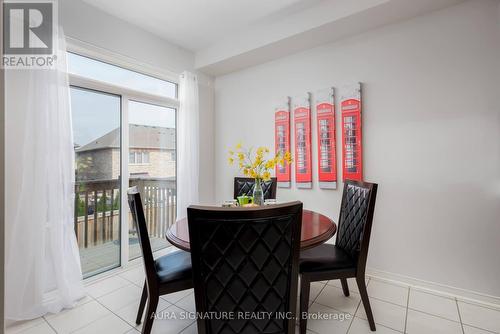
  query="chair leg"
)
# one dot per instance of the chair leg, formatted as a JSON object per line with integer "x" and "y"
{"x": 305, "y": 287}
{"x": 366, "y": 302}
{"x": 144, "y": 297}
{"x": 345, "y": 287}
{"x": 150, "y": 313}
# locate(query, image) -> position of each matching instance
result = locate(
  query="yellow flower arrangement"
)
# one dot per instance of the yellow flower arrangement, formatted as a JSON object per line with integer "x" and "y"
{"x": 255, "y": 164}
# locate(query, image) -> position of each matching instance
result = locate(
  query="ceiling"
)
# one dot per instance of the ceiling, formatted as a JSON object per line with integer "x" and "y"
{"x": 196, "y": 24}
{"x": 228, "y": 35}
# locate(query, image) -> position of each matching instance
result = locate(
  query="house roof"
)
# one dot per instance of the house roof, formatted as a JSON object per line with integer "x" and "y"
{"x": 140, "y": 136}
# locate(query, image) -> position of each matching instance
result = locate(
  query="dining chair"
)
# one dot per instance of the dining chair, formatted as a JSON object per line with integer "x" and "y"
{"x": 245, "y": 260}
{"x": 167, "y": 274}
{"x": 245, "y": 185}
{"x": 347, "y": 258}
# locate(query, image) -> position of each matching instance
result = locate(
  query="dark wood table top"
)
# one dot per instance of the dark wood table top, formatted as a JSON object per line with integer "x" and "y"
{"x": 316, "y": 229}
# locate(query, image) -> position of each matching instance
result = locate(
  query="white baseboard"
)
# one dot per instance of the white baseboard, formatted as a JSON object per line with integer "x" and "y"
{"x": 436, "y": 288}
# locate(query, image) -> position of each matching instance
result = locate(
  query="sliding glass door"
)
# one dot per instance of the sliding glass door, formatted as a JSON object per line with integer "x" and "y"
{"x": 96, "y": 132}
{"x": 124, "y": 125}
{"x": 151, "y": 167}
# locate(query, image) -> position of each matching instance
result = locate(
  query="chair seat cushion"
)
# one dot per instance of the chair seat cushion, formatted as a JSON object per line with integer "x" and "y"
{"x": 324, "y": 258}
{"x": 173, "y": 267}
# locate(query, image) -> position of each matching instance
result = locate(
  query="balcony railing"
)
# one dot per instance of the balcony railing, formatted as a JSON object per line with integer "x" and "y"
{"x": 97, "y": 203}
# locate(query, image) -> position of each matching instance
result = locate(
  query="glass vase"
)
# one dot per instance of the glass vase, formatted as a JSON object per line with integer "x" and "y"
{"x": 258, "y": 193}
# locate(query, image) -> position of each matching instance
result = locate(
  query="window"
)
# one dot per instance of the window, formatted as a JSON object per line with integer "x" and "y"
{"x": 138, "y": 157}
{"x": 96, "y": 132}
{"x": 103, "y": 98}
{"x": 153, "y": 126}
{"x": 101, "y": 71}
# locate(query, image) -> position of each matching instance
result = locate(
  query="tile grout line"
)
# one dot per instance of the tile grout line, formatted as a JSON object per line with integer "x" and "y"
{"x": 433, "y": 315}
{"x": 459, "y": 316}
{"x": 182, "y": 330}
{"x": 320, "y": 291}
{"x": 48, "y": 323}
{"x": 353, "y": 316}
{"x": 98, "y": 302}
{"x": 493, "y": 308}
{"x": 128, "y": 324}
{"x": 407, "y": 306}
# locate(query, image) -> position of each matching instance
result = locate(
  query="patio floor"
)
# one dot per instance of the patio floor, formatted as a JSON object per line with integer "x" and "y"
{"x": 98, "y": 258}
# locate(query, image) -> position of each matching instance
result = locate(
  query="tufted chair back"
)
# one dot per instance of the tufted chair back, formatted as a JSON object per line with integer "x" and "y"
{"x": 356, "y": 216}
{"x": 245, "y": 260}
{"x": 244, "y": 186}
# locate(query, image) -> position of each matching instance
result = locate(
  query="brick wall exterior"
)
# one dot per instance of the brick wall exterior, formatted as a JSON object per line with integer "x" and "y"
{"x": 104, "y": 164}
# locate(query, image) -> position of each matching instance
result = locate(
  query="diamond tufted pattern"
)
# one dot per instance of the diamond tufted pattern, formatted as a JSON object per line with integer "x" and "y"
{"x": 245, "y": 266}
{"x": 245, "y": 185}
{"x": 353, "y": 218}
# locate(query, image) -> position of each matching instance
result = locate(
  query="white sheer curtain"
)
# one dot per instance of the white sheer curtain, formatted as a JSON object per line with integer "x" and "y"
{"x": 188, "y": 141}
{"x": 43, "y": 272}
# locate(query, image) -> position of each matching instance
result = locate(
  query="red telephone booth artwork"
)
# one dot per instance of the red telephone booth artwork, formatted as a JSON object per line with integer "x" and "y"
{"x": 282, "y": 142}
{"x": 352, "y": 159}
{"x": 327, "y": 159}
{"x": 302, "y": 137}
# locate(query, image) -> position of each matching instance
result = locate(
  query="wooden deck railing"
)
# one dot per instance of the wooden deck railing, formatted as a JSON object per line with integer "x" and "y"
{"x": 97, "y": 208}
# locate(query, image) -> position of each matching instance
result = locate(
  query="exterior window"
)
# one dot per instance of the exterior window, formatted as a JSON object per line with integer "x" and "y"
{"x": 96, "y": 131}
{"x": 152, "y": 129}
{"x": 100, "y": 71}
{"x": 138, "y": 157}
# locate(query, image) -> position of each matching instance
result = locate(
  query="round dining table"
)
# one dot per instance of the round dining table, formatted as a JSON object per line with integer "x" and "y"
{"x": 316, "y": 229}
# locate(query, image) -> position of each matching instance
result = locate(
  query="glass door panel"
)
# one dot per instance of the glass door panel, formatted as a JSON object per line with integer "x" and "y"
{"x": 152, "y": 168}
{"x": 96, "y": 132}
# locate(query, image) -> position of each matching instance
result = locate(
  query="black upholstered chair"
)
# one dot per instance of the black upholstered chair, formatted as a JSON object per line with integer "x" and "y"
{"x": 246, "y": 260}
{"x": 245, "y": 185}
{"x": 167, "y": 274}
{"x": 347, "y": 258}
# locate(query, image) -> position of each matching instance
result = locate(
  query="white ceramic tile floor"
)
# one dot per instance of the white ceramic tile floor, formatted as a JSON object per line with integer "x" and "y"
{"x": 361, "y": 326}
{"x": 432, "y": 304}
{"x": 474, "y": 330}
{"x": 386, "y": 314}
{"x": 333, "y": 297}
{"x": 121, "y": 297}
{"x": 480, "y": 317}
{"x": 316, "y": 288}
{"x": 112, "y": 303}
{"x": 351, "y": 283}
{"x": 336, "y": 322}
{"x": 42, "y": 328}
{"x": 418, "y": 322}
{"x": 392, "y": 293}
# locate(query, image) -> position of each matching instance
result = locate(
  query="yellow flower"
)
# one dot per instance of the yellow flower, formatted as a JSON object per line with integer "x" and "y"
{"x": 241, "y": 164}
{"x": 245, "y": 172}
{"x": 266, "y": 176}
{"x": 231, "y": 161}
{"x": 241, "y": 156}
{"x": 288, "y": 157}
{"x": 238, "y": 146}
{"x": 253, "y": 173}
{"x": 270, "y": 164}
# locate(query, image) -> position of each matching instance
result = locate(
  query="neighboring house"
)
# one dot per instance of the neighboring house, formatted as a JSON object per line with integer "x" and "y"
{"x": 152, "y": 154}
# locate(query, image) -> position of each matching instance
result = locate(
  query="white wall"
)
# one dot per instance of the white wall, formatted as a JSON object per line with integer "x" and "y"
{"x": 431, "y": 137}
